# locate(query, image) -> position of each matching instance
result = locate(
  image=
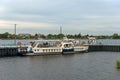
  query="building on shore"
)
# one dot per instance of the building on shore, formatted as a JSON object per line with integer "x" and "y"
{"x": 24, "y": 35}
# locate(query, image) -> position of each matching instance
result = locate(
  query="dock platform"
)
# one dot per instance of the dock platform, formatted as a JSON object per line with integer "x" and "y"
{"x": 11, "y": 51}
{"x": 113, "y": 48}
{"x": 8, "y": 51}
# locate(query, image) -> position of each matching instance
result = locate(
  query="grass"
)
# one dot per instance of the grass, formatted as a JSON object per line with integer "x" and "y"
{"x": 118, "y": 64}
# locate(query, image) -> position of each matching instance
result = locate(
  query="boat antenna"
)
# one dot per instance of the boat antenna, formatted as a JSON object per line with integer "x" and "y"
{"x": 60, "y": 30}
{"x": 15, "y": 33}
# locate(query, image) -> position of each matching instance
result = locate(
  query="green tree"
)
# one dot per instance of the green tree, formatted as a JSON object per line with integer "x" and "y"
{"x": 49, "y": 36}
{"x": 5, "y": 35}
{"x": 115, "y": 36}
{"x": 60, "y": 36}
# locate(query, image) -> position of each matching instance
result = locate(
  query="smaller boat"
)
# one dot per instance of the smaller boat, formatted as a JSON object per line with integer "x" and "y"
{"x": 79, "y": 47}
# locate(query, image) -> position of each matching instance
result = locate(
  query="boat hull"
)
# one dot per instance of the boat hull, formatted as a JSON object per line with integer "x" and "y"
{"x": 80, "y": 49}
{"x": 42, "y": 54}
{"x": 68, "y": 51}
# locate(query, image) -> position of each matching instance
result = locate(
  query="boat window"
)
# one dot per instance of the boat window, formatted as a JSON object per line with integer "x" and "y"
{"x": 51, "y": 50}
{"x": 67, "y": 45}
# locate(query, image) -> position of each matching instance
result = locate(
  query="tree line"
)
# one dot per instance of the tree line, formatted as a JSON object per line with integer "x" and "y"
{"x": 7, "y": 35}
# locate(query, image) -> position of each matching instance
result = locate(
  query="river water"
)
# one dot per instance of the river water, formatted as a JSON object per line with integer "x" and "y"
{"x": 83, "y": 66}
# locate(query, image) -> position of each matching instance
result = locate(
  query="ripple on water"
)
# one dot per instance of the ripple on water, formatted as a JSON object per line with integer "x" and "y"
{"x": 84, "y": 66}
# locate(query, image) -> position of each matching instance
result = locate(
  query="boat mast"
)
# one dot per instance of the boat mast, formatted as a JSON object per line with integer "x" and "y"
{"x": 60, "y": 30}
{"x": 15, "y": 34}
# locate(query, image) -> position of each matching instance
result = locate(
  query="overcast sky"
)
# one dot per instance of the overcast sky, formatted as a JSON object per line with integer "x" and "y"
{"x": 95, "y": 17}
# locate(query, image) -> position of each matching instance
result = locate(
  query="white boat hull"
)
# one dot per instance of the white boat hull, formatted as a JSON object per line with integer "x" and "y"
{"x": 41, "y": 54}
{"x": 78, "y": 49}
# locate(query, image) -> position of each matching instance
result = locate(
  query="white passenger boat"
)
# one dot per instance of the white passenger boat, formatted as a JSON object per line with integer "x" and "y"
{"x": 65, "y": 46}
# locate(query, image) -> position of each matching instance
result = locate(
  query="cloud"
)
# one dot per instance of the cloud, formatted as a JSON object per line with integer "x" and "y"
{"x": 47, "y": 15}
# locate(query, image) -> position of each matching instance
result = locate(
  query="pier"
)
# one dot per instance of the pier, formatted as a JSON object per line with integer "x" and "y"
{"x": 12, "y": 51}
{"x": 113, "y": 48}
{"x": 8, "y": 51}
